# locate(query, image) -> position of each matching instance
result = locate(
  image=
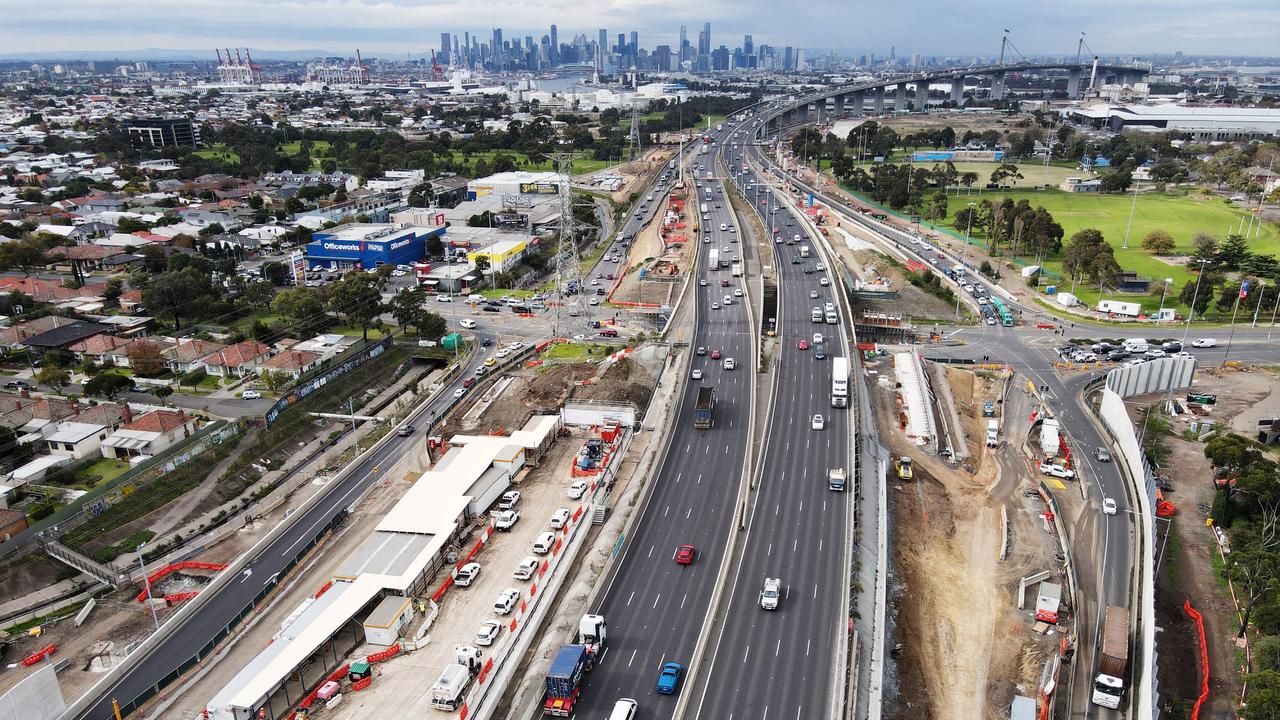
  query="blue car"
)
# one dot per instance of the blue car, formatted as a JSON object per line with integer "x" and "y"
{"x": 669, "y": 680}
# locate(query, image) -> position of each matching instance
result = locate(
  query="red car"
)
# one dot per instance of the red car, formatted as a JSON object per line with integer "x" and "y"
{"x": 715, "y": 354}
{"x": 468, "y": 382}
{"x": 685, "y": 555}
{"x": 724, "y": 283}
{"x": 802, "y": 345}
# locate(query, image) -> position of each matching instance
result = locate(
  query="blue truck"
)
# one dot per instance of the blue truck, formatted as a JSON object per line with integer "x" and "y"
{"x": 564, "y": 680}
{"x": 703, "y": 407}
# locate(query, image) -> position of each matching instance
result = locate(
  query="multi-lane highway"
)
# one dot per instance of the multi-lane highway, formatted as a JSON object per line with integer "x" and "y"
{"x": 654, "y": 606}
{"x": 781, "y": 663}
{"x": 197, "y": 634}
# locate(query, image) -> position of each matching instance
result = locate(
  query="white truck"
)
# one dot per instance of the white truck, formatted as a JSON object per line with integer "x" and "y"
{"x": 1049, "y": 436}
{"x": 816, "y": 315}
{"x": 704, "y": 208}
{"x": 836, "y": 479}
{"x": 993, "y": 432}
{"x": 447, "y": 693}
{"x": 736, "y": 269}
{"x": 713, "y": 260}
{"x": 804, "y": 251}
{"x": 839, "y": 383}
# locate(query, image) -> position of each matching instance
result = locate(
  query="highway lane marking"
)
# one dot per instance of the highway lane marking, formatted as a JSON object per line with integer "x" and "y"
{"x": 777, "y": 649}
{"x": 665, "y": 511}
{"x": 633, "y": 657}
{"x": 745, "y": 654}
{"x": 815, "y": 591}
{"x": 770, "y": 549}
{"x": 656, "y": 599}
{"x": 777, "y": 508}
{"x": 819, "y": 544}
{"x": 682, "y": 599}
{"x": 651, "y": 550}
{"x": 699, "y": 479}
{"x": 630, "y": 598}
{"x": 688, "y": 513}
{"x": 806, "y": 645}
{"x": 679, "y": 475}
{"x": 795, "y": 544}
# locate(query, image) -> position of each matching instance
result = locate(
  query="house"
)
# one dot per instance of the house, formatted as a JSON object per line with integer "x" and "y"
{"x": 108, "y": 415}
{"x": 78, "y": 440}
{"x": 149, "y": 434}
{"x": 48, "y": 291}
{"x": 12, "y": 337}
{"x": 130, "y": 300}
{"x": 187, "y": 354}
{"x": 237, "y": 360}
{"x": 88, "y": 257}
{"x": 64, "y": 336}
{"x": 12, "y": 522}
{"x": 294, "y": 362}
{"x": 96, "y": 347}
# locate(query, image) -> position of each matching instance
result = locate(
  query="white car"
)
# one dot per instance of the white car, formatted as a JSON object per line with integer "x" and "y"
{"x": 823, "y": 281}
{"x": 560, "y": 518}
{"x": 818, "y": 423}
{"x": 771, "y": 594}
{"x": 488, "y": 632}
{"x": 1204, "y": 343}
{"x": 1108, "y": 506}
{"x": 444, "y": 298}
{"x": 475, "y": 298}
{"x": 737, "y": 292}
{"x": 506, "y": 601}
{"x": 817, "y": 338}
{"x": 526, "y": 568}
{"x": 715, "y": 306}
{"x": 728, "y": 363}
{"x": 509, "y": 500}
{"x": 466, "y": 574}
{"x": 251, "y": 395}
{"x": 459, "y": 392}
{"x": 506, "y": 519}
{"x": 696, "y": 374}
{"x": 702, "y": 282}
{"x": 728, "y": 300}
{"x": 1058, "y": 471}
{"x": 578, "y": 489}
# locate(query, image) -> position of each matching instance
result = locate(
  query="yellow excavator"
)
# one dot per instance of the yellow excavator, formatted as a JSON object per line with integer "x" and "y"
{"x": 904, "y": 468}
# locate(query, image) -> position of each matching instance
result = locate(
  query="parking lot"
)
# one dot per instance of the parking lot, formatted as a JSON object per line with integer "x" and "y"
{"x": 405, "y": 682}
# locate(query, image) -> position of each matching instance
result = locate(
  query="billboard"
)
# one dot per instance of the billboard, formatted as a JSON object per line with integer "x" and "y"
{"x": 298, "y": 263}
{"x": 539, "y": 188}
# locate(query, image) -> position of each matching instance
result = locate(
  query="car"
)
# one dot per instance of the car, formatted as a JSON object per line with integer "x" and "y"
{"x": 503, "y": 352}
{"x": 560, "y": 518}
{"x": 246, "y": 395}
{"x": 685, "y": 554}
{"x": 724, "y": 283}
{"x": 506, "y": 601}
{"x": 506, "y": 520}
{"x": 515, "y": 345}
{"x": 488, "y": 632}
{"x": 1058, "y": 471}
{"x": 700, "y": 351}
{"x": 771, "y": 595}
{"x": 795, "y": 261}
{"x": 818, "y": 339}
{"x": 526, "y": 568}
{"x": 813, "y": 294}
{"x": 802, "y": 344}
{"x": 475, "y": 298}
{"x": 1108, "y": 506}
{"x": 715, "y": 354}
{"x": 443, "y": 298}
{"x": 624, "y": 709}
{"x": 991, "y": 320}
{"x": 728, "y": 363}
{"x": 489, "y": 308}
{"x": 818, "y": 422}
{"x": 702, "y": 282}
{"x": 669, "y": 678}
{"x": 594, "y": 301}
{"x": 737, "y": 292}
{"x": 490, "y": 362}
{"x": 509, "y": 500}
{"x": 1117, "y": 355}
{"x": 404, "y": 430}
{"x": 823, "y": 281}
{"x": 543, "y": 543}
{"x": 696, "y": 374}
{"x": 1204, "y": 343}
{"x": 1102, "y": 454}
{"x": 459, "y": 392}
{"x": 1173, "y": 347}
{"x": 578, "y": 489}
{"x": 468, "y": 382}
{"x": 1154, "y": 353}
{"x": 466, "y": 574}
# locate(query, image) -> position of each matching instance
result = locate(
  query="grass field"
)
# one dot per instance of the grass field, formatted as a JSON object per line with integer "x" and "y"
{"x": 218, "y": 152}
{"x": 1032, "y": 173}
{"x": 715, "y": 120}
{"x": 319, "y": 151}
{"x": 581, "y": 166}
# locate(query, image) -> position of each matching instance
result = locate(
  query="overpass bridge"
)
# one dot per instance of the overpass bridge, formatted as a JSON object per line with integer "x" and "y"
{"x": 853, "y": 98}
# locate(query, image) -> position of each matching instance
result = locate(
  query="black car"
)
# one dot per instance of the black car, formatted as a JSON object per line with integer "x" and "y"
{"x": 1117, "y": 355}
{"x": 1102, "y": 348}
{"x": 490, "y": 308}
{"x": 795, "y": 261}
{"x": 1173, "y": 346}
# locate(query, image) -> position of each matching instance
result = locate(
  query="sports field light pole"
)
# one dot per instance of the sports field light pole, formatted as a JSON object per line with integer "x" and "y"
{"x": 1134, "y": 206}
{"x": 1160, "y": 312}
{"x": 1194, "y": 296}
{"x": 968, "y": 228}
{"x": 1262, "y": 291}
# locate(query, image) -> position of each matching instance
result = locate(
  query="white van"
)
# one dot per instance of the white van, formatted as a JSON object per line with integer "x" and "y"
{"x": 1136, "y": 346}
{"x": 467, "y": 323}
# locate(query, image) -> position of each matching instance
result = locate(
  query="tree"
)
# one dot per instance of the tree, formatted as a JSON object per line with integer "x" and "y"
{"x": 1204, "y": 295}
{"x": 112, "y": 291}
{"x": 212, "y": 229}
{"x": 420, "y": 196}
{"x": 1262, "y": 698}
{"x": 301, "y": 308}
{"x": 276, "y": 272}
{"x": 1158, "y": 242}
{"x": 1116, "y": 181}
{"x": 967, "y": 179}
{"x": 937, "y": 208}
{"x": 406, "y": 307}
{"x": 432, "y": 326}
{"x": 1232, "y": 254}
{"x": 162, "y": 391}
{"x": 24, "y": 255}
{"x": 964, "y": 219}
{"x": 144, "y": 358}
{"x": 1006, "y": 171}
{"x": 108, "y": 385}
{"x": 177, "y": 294}
{"x": 1256, "y": 570}
{"x": 356, "y": 298}
{"x": 258, "y": 294}
{"x": 1088, "y": 254}
{"x": 54, "y": 377}
{"x": 435, "y": 246}
{"x": 275, "y": 379}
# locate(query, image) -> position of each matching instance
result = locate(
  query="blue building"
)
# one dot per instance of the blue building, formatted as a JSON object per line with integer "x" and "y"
{"x": 365, "y": 246}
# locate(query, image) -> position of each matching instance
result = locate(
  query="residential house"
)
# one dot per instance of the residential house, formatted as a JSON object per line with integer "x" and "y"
{"x": 13, "y": 337}
{"x": 237, "y": 360}
{"x": 148, "y": 435}
{"x": 88, "y": 257}
{"x": 77, "y": 440}
{"x": 187, "y": 355}
{"x": 64, "y": 336}
{"x": 48, "y": 291}
{"x": 295, "y": 363}
{"x": 130, "y": 300}
{"x": 97, "y": 347}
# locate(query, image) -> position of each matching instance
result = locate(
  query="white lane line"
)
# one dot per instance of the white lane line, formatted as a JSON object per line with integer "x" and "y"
{"x": 688, "y": 513}
{"x": 659, "y": 596}
{"x": 806, "y": 645}
{"x": 815, "y": 591}
{"x": 745, "y": 654}
{"x": 633, "y": 657}
{"x": 777, "y": 649}
{"x": 631, "y": 597}
{"x": 651, "y": 550}
{"x": 666, "y": 510}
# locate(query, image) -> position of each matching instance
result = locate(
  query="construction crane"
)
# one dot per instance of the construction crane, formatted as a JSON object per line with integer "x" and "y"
{"x": 437, "y": 72}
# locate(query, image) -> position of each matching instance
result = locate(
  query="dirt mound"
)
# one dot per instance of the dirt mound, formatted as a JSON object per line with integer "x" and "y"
{"x": 623, "y": 381}
{"x": 549, "y": 388}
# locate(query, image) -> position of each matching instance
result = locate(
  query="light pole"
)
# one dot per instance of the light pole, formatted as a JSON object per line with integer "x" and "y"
{"x": 147, "y": 581}
{"x": 1262, "y": 292}
{"x": 1194, "y": 296}
{"x": 1134, "y": 206}
{"x": 1160, "y": 312}
{"x": 968, "y": 229}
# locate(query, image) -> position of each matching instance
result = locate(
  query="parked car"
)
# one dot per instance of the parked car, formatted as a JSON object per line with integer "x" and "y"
{"x": 1058, "y": 471}
{"x": 466, "y": 574}
{"x": 578, "y": 489}
{"x": 249, "y": 395}
{"x": 506, "y": 520}
{"x": 560, "y": 518}
{"x": 506, "y": 601}
{"x": 488, "y": 632}
{"x": 526, "y": 568}
{"x": 509, "y": 500}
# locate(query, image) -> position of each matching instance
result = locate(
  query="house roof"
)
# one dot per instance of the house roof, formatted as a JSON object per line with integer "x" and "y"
{"x": 190, "y": 350}
{"x": 74, "y": 432}
{"x": 83, "y": 252}
{"x": 290, "y": 360}
{"x": 66, "y": 335}
{"x": 105, "y": 414}
{"x": 160, "y": 421}
{"x": 238, "y": 354}
{"x": 31, "y": 328}
{"x": 98, "y": 344}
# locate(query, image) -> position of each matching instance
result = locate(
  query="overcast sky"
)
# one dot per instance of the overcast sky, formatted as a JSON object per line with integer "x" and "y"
{"x": 387, "y": 27}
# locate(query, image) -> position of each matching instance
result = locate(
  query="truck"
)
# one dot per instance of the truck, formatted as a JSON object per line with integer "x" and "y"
{"x": 1116, "y": 307}
{"x": 1113, "y": 658}
{"x": 446, "y": 694}
{"x": 1049, "y": 437}
{"x": 1048, "y": 598}
{"x": 836, "y": 479}
{"x": 703, "y": 206}
{"x": 713, "y": 259}
{"x": 736, "y": 269}
{"x": 703, "y": 407}
{"x": 804, "y": 251}
{"x": 592, "y": 633}
{"x": 564, "y": 680}
{"x": 839, "y": 382}
{"x": 816, "y": 315}
{"x": 993, "y": 433}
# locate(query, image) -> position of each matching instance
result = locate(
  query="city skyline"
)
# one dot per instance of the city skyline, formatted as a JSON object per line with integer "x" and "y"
{"x": 396, "y": 27}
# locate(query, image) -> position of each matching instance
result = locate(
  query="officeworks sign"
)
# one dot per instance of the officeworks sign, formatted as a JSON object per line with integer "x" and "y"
{"x": 354, "y": 247}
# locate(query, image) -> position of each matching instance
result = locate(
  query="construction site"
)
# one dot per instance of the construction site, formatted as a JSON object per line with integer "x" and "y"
{"x": 659, "y": 258}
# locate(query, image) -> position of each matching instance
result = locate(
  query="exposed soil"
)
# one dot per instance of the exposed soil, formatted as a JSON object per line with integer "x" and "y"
{"x": 30, "y": 570}
{"x": 912, "y": 302}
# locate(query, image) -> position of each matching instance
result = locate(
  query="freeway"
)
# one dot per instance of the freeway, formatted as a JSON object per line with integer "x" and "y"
{"x": 654, "y": 606}
{"x": 781, "y": 663}
{"x": 200, "y": 630}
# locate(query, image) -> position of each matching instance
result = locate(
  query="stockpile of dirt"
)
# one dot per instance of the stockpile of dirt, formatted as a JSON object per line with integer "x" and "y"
{"x": 912, "y": 302}
{"x": 623, "y": 381}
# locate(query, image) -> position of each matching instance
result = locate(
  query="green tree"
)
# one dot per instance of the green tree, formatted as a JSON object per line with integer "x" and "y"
{"x": 937, "y": 208}
{"x": 275, "y": 379}
{"x": 144, "y": 358}
{"x": 1255, "y": 568}
{"x": 1158, "y": 242}
{"x": 1089, "y": 255}
{"x": 406, "y": 307}
{"x": 1262, "y": 698}
{"x": 162, "y": 391}
{"x": 420, "y": 195}
{"x": 356, "y": 298}
{"x": 258, "y": 294}
{"x": 276, "y": 272}
{"x": 1006, "y": 171}
{"x": 967, "y": 179}
{"x": 212, "y": 229}
{"x": 301, "y": 308}
{"x": 112, "y": 291}
{"x": 432, "y": 326}
{"x": 177, "y": 295}
{"x": 54, "y": 377}
{"x": 24, "y": 255}
{"x": 435, "y": 246}
{"x": 108, "y": 385}
{"x": 1233, "y": 253}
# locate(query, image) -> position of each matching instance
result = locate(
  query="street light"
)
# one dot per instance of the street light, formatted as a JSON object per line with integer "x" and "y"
{"x": 147, "y": 581}
{"x": 968, "y": 228}
{"x": 1134, "y": 206}
{"x": 1160, "y": 312}
{"x": 1194, "y": 296}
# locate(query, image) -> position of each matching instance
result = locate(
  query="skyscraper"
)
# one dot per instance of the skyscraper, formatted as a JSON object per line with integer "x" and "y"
{"x": 635, "y": 42}
{"x": 496, "y": 48}
{"x": 445, "y": 46}
{"x": 748, "y": 47}
{"x": 555, "y": 37}
{"x": 603, "y": 48}
{"x": 704, "y": 40}
{"x": 682, "y": 51}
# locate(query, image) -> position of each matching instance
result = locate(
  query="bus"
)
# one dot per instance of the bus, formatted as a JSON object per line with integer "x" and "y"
{"x": 840, "y": 382}
{"x": 1006, "y": 317}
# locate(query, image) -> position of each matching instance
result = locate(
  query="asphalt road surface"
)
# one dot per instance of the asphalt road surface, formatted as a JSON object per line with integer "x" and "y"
{"x": 200, "y": 628}
{"x": 655, "y": 607}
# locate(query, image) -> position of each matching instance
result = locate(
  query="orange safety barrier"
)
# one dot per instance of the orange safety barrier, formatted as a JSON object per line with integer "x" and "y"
{"x": 384, "y": 655}
{"x": 39, "y": 655}
{"x": 323, "y": 589}
{"x": 577, "y": 513}
{"x": 179, "y": 597}
{"x": 175, "y": 567}
{"x": 439, "y": 593}
{"x": 1204, "y": 659}
{"x": 361, "y": 684}
{"x": 484, "y": 671}
{"x": 462, "y": 714}
{"x": 533, "y": 589}
{"x": 340, "y": 673}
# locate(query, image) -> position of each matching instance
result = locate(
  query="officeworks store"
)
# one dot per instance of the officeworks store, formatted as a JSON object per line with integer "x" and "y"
{"x": 365, "y": 246}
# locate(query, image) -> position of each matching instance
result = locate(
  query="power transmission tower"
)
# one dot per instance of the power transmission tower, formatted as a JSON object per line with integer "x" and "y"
{"x": 570, "y": 288}
{"x": 633, "y": 151}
